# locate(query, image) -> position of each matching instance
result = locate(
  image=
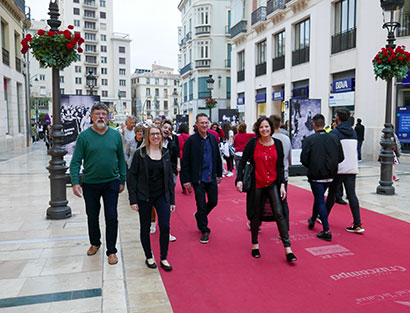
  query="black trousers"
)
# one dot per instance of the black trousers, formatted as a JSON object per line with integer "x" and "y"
{"x": 270, "y": 192}
{"x": 205, "y": 207}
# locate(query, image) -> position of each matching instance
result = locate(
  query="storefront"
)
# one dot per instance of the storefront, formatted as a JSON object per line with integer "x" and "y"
{"x": 240, "y": 105}
{"x": 342, "y": 95}
{"x": 402, "y": 121}
{"x": 260, "y": 100}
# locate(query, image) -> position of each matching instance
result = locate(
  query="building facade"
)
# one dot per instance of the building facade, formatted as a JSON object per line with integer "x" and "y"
{"x": 205, "y": 49}
{"x": 14, "y": 126}
{"x": 156, "y": 92}
{"x": 106, "y": 54}
{"x": 316, "y": 49}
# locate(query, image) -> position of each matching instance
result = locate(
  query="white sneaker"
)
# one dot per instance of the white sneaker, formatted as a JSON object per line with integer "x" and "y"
{"x": 172, "y": 238}
{"x": 229, "y": 174}
{"x": 153, "y": 227}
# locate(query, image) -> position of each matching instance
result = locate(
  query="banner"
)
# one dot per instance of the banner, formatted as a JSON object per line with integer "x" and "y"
{"x": 403, "y": 124}
{"x": 228, "y": 116}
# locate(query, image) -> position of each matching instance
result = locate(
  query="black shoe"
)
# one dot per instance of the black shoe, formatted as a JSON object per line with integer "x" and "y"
{"x": 205, "y": 238}
{"x": 325, "y": 235}
{"x": 256, "y": 253}
{"x": 153, "y": 265}
{"x": 341, "y": 201}
{"x": 311, "y": 224}
{"x": 166, "y": 268}
{"x": 290, "y": 257}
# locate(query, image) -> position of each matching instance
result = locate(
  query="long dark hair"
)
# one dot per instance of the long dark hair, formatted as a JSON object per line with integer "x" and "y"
{"x": 258, "y": 124}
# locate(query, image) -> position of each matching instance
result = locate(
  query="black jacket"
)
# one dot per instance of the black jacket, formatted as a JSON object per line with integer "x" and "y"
{"x": 321, "y": 154}
{"x": 138, "y": 177}
{"x": 191, "y": 163}
{"x": 173, "y": 148}
{"x": 247, "y": 155}
{"x": 359, "y": 129}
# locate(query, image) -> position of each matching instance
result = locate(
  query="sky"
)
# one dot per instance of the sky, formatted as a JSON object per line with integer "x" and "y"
{"x": 152, "y": 25}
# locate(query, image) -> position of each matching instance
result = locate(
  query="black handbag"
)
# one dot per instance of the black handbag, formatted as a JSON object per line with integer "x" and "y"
{"x": 246, "y": 182}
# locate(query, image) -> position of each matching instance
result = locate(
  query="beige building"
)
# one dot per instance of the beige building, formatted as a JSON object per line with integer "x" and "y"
{"x": 13, "y": 111}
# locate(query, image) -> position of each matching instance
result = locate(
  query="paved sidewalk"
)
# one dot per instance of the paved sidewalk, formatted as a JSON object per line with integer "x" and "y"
{"x": 48, "y": 258}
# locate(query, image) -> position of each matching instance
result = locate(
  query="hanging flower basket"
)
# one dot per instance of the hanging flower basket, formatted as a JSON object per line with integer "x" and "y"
{"x": 210, "y": 103}
{"x": 58, "y": 49}
{"x": 389, "y": 63}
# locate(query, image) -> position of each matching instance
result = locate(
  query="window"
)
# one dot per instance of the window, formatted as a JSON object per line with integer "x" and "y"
{"x": 103, "y": 26}
{"x": 88, "y": 36}
{"x": 203, "y": 50}
{"x": 123, "y": 94}
{"x": 76, "y": 11}
{"x": 344, "y": 37}
{"x": 103, "y": 48}
{"x": 302, "y": 42}
{"x": 122, "y": 60}
{"x": 165, "y": 93}
{"x": 156, "y": 92}
{"x": 279, "y": 45}
{"x": 102, "y": 3}
{"x": 77, "y": 23}
{"x": 90, "y": 59}
{"x": 89, "y": 13}
{"x": 122, "y": 71}
{"x": 78, "y": 69}
{"x": 104, "y": 82}
{"x": 165, "y": 105}
{"x": 78, "y": 92}
{"x": 147, "y": 91}
{"x": 61, "y": 79}
{"x": 104, "y": 71}
{"x": 156, "y": 81}
{"x": 103, "y": 37}
{"x": 261, "y": 52}
{"x": 203, "y": 16}
{"x": 76, "y": 1}
{"x": 42, "y": 77}
{"x": 103, "y": 59}
{"x": 121, "y": 49}
{"x": 122, "y": 82}
{"x": 104, "y": 93}
{"x": 103, "y": 15}
{"x": 78, "y": 80}
{"x": 148, "y": 81}
{"x": 148, "y": 104}
{"x": 165, "y": 81}
{"x": 89, "y": 25}
{"x": 92, "y": 69}
{"x": 91, "y": 48}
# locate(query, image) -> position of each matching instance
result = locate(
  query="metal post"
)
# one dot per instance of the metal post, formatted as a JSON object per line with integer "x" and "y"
{"x": 59, "y": 208}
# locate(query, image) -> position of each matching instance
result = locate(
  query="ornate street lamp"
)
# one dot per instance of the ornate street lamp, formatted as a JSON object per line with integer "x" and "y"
{"x": 91, "y": 81}
{"x": 391, "y": 10}
{"x": 59, "y": 208}
{"x": 210, "y": 81}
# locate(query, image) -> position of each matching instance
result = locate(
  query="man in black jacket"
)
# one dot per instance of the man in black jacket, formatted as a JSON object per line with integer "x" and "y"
{"x": 359, "y": 129}
{"x": 321, "y": 154}
{"x": 201, "y": 168}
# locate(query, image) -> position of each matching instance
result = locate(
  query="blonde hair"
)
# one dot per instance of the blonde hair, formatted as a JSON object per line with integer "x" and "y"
{"x": 146, "y": 142}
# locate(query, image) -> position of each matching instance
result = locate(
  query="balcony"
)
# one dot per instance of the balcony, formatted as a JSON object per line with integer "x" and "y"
{"x": 300, "y": 56}
{"x": 90, "y": 40}
{"x": 238, "y": 28}
{"x": 89, "y": 4}
{"x": 200, "y": 30}
{"x": 227, "y": 30}
{"x": 188, "y": 36}
{"x": 202, "y": 63}
{"x": 91, "y": 52}
{"x": 91, "y": 62}
{"x": 260, "y": 69}
{"x": 90, "y": 17}
{"x": 183, "y": 42}
{"x": 344, "y": 41}
{"x": 18, "y": 65}
{"x": 185, "y": 69}
{"x": 90, "y": 29}
{"x": 240, "y": 76}
{"x": 274, "y": 5}
{"x": 278, "y": 63}
{"x": 21, "y": 4}
{"x": 259, "y": 15}
{"x": 404, "y": 29}
{"x": 227, "y": 63}
{"x": 5, "y": 57}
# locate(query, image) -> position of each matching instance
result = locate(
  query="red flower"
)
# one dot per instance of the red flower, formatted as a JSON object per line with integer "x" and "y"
{"x": 390, "y": 59}
{"x": 79, "y": 50}
{"x": 385, "y": 54}
{"x": 29, "y": 37}
{"x": 70, "y": 27}
{"x": 80, "y": 40}
{"x": 379, "y": 61}
{"x": 60, "y": 32}
{"x": 50, "y": 33}
{"x": 41, "y": 32}
{"x": 69, "y": 46}
{"x": 67, "y": 34}
{"x": 401, "y": 58}
{"x": 73, "y": 41}
{"x": 377, "y": 56}
{"x": 77, "y": 35}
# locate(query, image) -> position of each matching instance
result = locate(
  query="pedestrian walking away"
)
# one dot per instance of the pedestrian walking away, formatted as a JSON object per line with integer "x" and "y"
{"x": 321, "y": 155}
{"x": 265, "y": 154}
{"x": 359, "y": 129}
{"x": 347, "y": 170}
{"x": 201, "y": 168}
{"x": 150, "y": 184}
{"x": 100, "y": 150}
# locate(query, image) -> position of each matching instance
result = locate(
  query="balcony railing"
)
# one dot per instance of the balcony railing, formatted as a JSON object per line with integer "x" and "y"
{"x": 344, "y": 41}
{"x": 300, "y": 56}
{"x": 202, "y": 63}
{"x": 260, "y": 69}
{"x": 183, "y": 41}
{"x": 404, "y": 29}
{"x": 227, "y": 30}
{"x": 259, "y": 15}
{"x": 278, "y": 63}
{"x": 203, "y": 94}
{"x": 188, "y": 36}
{"x": 274, "y": 5}
{"x": 5, "y": 56}
{"x": 240, "y": 76}
{"x": 18, "y": 65}
{"x": 90, "y": 3}
{"x": 90, "y": 17}
{"x": 238, "y": 28}
{"x": 206, "y": 29}
{"x": 227, "y": 63}
{"x": 21, "y": 4}
{"x": 185, "y": 69}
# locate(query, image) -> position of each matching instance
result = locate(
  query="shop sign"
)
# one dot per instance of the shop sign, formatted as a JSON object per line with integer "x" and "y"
{"x": 341, "y": 99}
{"x": 240, "y": 101}
{"x": 261, "y": 98}
{"x": 278, "y": 95}
{"x": 343, "y": 85}
{"x": 300, "y": 92}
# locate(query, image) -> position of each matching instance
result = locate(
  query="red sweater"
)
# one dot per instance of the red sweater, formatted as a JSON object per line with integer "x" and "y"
{"x": 181, "y": 140}
{"x": 240, "y": 141}
{"x": 265, "y": 165}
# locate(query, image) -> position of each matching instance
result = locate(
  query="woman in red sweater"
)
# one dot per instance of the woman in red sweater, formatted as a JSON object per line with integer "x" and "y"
{"x": 182, "y": 137}
{"x": 267, "y": 182}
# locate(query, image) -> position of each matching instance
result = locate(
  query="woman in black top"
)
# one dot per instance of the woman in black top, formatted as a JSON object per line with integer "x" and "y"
{"x": 150, "y": 183}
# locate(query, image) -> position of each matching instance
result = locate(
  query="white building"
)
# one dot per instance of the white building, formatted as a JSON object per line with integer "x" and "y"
{"x": 106, "y": 54}
{"x": 288, "y": 49}
{"x": 156, "y": 92}
{"x": 205, "y": 49}
{"x": 14, "y": 127}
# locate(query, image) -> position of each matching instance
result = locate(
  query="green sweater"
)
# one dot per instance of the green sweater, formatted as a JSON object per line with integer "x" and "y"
{"x": 103, "y": 157}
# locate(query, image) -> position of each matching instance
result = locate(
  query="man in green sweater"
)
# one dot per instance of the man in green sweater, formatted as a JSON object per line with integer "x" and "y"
{"x": 104, "y": 172}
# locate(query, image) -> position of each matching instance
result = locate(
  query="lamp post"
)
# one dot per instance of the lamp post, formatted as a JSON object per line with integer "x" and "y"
{"x": 390, "y": 8}
{"x": 59, "y": 208}
{"x": 91, "y": 81}
{"x": 210, "y": 81}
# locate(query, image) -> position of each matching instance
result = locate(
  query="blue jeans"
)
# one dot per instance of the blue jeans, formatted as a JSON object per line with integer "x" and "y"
{"x": 92, "y": 195}
{"x": 319, "y": 206}
{"x": 349, "y": 181}
{"x": 359, "y": 149}
{"x": 163, "y": 211}
{"x": 204, "y": 208}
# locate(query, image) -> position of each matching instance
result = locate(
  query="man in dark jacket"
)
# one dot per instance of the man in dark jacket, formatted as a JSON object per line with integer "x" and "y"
{"x": 201, "y": 168}
{"x": 321, "y": 154}
{"x": 359, "y": 129}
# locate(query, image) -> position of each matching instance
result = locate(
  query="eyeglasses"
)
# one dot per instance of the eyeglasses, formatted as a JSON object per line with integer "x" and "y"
{"x": 100, "y": 114}
{"x": 155, "y": 134}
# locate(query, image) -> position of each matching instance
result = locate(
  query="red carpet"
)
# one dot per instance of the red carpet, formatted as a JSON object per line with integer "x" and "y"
{"x": 353, "y": 273}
